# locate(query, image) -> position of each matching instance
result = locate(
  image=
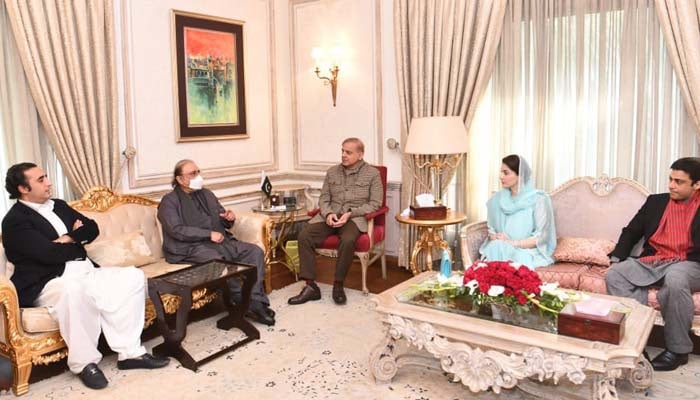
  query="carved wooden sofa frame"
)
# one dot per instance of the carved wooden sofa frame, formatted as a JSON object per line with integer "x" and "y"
{"x": 25, "y": 349}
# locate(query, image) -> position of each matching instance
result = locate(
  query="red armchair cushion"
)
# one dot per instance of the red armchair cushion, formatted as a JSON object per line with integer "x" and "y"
{"x": 361, "y": 244}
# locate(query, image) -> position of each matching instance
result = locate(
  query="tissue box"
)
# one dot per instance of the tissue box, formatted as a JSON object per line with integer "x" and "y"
{"x": 609, "y": 328}
{"x": 428, "y": 213}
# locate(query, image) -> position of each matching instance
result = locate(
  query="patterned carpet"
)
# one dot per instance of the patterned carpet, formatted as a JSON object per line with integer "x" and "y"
{"x": 316, "y": 351}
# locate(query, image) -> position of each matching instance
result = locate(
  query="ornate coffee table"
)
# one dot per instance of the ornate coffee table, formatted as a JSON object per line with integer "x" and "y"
{"x": 486, "y": 354}
{"x": 207, "y": 277}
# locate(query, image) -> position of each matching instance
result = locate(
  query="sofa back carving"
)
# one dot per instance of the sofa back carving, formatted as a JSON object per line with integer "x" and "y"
{"x": 596, "y": 208}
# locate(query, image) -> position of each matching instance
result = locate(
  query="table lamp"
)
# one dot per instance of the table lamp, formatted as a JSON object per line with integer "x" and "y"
{"x": 436, "y": 136}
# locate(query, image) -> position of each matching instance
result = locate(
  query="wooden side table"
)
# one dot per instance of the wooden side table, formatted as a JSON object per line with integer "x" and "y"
{"x": 430, "y": 235}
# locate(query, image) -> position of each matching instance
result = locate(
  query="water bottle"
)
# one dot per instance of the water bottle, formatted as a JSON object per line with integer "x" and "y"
{"x": 446, "y": 264}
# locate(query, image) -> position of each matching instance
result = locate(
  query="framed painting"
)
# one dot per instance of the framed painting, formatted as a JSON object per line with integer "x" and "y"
{"x": 208, "y": 58}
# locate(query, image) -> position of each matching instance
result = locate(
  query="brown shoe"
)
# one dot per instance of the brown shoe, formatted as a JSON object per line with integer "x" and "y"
{"x": 339, "y": 294}
{"x": 310, "y": 292}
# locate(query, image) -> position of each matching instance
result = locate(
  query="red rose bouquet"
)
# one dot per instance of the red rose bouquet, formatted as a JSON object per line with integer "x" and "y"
{"x": 513, "y": 285}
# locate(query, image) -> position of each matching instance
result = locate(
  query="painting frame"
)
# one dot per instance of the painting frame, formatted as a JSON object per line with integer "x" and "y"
{"x": 208, "y": 73}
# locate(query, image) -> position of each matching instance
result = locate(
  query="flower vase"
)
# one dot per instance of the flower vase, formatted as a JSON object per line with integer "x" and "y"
{"x": 531, "y": 318}
{"x": 501, "y": 312}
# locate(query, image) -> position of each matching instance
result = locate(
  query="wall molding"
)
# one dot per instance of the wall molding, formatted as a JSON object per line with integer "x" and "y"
{"x": 316, "y": 165}
{"x": 229, "y": 184}
{"x": 140, "y": 180}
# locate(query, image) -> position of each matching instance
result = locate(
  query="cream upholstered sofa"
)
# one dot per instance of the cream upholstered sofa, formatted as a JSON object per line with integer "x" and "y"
{"x": 584, "y": 208}
{"x": 29, "y": 336}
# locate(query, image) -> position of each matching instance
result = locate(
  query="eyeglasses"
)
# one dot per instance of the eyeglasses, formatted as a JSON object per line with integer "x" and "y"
{"x": 192, "y": 174}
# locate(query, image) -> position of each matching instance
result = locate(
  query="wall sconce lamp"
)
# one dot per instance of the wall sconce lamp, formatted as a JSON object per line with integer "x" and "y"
{"x": 318, "y": 55}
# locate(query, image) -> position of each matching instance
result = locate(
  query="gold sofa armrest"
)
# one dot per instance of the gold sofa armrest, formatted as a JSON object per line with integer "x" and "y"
{"x": 22, "y": 349}
{"x": 472, "y": 236}
{"x": 252, "y": 228}
{"x": 11, "y": 318}
{"x": 257, "y": 229}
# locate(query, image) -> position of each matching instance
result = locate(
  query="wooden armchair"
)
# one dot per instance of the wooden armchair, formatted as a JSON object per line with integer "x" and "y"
{"x": 368, "y": 243}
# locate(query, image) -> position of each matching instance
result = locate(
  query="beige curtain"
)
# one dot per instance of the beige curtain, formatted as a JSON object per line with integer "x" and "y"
{"x": 22, "y": 136}
{"x": 67, "y": 50}
{"x": 580, "y": 88}
{"x": 680, "y": 23}
{"x": 19, "y": 124}
{"x": 444, "y": 51}
{"x": 17, "y": 112}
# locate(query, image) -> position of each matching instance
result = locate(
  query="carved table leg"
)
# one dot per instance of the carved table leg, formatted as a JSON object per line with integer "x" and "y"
{"x": 642, "y": 376}
{"x": 382, "y": 363}
{"x": 429, "y": 243}
{"x": 417, "y": 247}
{"x": 604, "y": 385}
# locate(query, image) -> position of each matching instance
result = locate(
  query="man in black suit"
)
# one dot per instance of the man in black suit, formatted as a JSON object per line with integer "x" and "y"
{"x": 670, "y": 226}
{"x": 44, "y": 239}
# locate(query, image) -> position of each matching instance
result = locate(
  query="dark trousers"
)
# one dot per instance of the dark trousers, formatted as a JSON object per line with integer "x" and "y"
{"x": 313, "y": 235}
{"x": 236, "y": 251}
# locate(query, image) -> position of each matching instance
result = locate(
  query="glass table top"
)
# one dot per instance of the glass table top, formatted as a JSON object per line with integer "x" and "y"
{"x": 203, "y": 273}
{"x": 286, "y": 209}
{"x": 451, "y": 301}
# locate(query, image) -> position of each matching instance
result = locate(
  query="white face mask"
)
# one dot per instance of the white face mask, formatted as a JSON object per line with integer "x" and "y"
{"x": 196, "y": 183}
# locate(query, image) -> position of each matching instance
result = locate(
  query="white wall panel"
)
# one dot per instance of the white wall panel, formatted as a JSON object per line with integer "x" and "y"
{"x": 149, "y": 89}
{"x": 353, "y": 26}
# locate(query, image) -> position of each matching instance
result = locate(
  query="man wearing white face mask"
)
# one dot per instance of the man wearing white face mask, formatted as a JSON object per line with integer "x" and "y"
{"x": 195, "y": 230}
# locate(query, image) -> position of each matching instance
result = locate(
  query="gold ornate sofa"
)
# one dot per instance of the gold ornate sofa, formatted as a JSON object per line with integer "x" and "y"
{"x": 30, "y": 336}
{"x": 584, "y": 207}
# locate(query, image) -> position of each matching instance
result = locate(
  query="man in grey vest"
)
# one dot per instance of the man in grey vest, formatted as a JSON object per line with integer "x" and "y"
{"x": 350, "y": 190}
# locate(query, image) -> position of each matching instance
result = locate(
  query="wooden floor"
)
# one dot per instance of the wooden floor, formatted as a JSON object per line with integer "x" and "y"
{"x": 325, "y": 272}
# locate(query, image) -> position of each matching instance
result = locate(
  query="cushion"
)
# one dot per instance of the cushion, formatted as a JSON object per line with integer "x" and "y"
{"x": 127, "y": 218}
{"x": 583, "y": 250}
{"x": 566, "y": 274}
{"x": 161, "y": 267}
{"x": 122, "y": 251}
{"x": 593, "y": 280}
{"x": 37, "y": 320}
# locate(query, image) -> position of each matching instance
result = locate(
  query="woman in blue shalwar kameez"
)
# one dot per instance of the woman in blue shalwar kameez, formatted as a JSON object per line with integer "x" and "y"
{"x": 520, "y": 219}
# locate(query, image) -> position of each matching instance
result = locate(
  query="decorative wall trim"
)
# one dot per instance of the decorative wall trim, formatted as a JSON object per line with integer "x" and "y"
{"x": 137, "y": 180}
{"x": 292, "y": 176}
{"x": 315, "y": 165}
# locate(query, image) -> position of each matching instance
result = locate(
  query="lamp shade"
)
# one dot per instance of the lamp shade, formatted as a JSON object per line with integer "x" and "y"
{"x": 437, "y": 135}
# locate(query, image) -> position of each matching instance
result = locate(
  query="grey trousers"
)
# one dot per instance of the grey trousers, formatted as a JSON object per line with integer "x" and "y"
{"x": 313, "y": 235}
{"x": 242, "y": 252}
{"x": 677, "y": 280}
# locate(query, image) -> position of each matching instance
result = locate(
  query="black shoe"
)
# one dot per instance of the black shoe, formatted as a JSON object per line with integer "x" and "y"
{"x": 93, "y": 377}
{"x": 668, "y": 361}
{"x": 146, "y": 361}
{"x": 258, "y": 313}
{"x": 308, "y": 293}
{"x": 339, "y": 293}
{"x": 270, "y": 312}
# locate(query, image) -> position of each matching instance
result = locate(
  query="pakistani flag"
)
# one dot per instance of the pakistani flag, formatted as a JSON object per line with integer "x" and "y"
{"x": 266, "y": 186}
